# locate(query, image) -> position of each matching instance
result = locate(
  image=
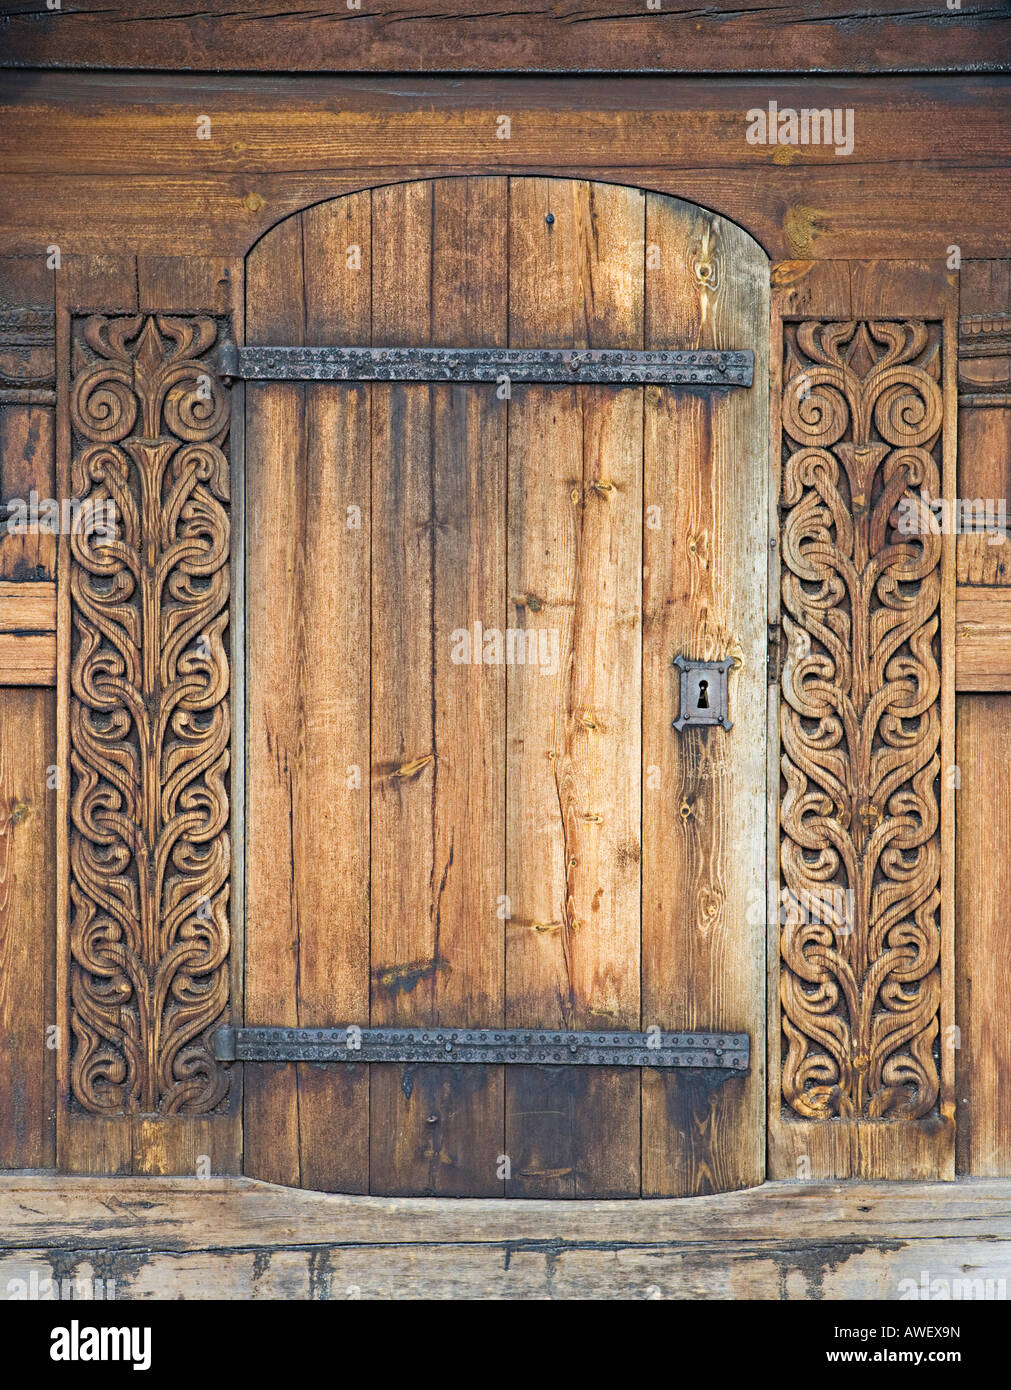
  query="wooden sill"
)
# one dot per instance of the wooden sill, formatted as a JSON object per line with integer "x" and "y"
{"x": 238, "y": 1238}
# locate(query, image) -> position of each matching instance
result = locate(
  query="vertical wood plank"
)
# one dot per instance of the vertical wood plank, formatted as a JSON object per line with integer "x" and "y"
{"x": 573, "y": 800}
{"x": 331, "y": 699}
{"x": 438, "y": 723}
{"x": 27, "y": 752}
{"x": 27, "y": 913}
{"x": 983, "y": 886}
{"x": 705, "y": 559}
{"x": 947, "y": 301}
{"x": 275, "y": 502}
{"x": 982, "y": 975}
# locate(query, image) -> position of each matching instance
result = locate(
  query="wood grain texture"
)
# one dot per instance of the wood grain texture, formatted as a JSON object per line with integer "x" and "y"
{"x": 28, "y": 607}
{"x": 331, "y": 828}
{"x": 27, "y": 928}
{"x": 463, "y": 36}
{"x": 573, "y": 837}
{"x": 279, "y": 146}
{"x": 307, "y": 458}
{"x": 147, "y": 124}
{"x": 983, "y": 974}
{"x": 27, "y": 548}
{"x": 27, "y": 448}
{"x": 766, "y": 1270}
{"x": 847, "y": 1145}
{"x": 240, "y": 1239}
{"x": 704, "y": 561}
{"x": 27, "y": 658}
{"x": 982, "y": 638}
{"x": 189, "y": 1214}
{"x": 550, "y": 552}
{"x": 438, "y": 489}
{"x": 984, "y": 431}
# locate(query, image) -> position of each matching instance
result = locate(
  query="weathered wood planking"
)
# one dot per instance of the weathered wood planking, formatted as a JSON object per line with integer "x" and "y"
{"x": 180, "y": 1214}
{"x": 27, "y": 936}
{"x": 704, "y": 566}
{"x": 856, "y": 1147}
{"x": 768, "y": 1271}
{"x": 27, "y": 444}
{"x": 242, "y": 1239}
{"x": 28, "y": 633}
{"x": 984, "y": 438}
{"x": 982, "y": 637}
{"x": 27, "y": 658}
{"x": 453, "y": 36}
{"x": 27, "y": 736}
{"x": 983, "y": 1059}
{"x": 438, "y": 487}
{"x": 573, "y": 846}
{"x": 277, "y": 147}
{"x": 983, "y": 663}
{"x": 30, "y": 606}
{"x": 331, "y": 829}
{"x": 307, "y": 472}
{"x": 147, "y": 125}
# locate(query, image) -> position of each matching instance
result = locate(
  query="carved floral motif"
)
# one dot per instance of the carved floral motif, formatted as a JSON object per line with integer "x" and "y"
{"x": 860, "y": 849}
{"x": 149, "y": 716}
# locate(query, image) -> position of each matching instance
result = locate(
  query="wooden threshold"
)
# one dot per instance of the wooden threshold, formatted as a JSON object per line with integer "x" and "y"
{"x": 237, "y": 1238}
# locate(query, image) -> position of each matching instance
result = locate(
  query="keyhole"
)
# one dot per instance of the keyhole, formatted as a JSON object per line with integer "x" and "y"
{"x": 703, "y": 694}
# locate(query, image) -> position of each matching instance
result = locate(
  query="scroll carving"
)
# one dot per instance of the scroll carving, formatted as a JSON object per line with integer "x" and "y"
{"x": 149, "y": 716}
{"x": 860, "y": 850}
{"x": 984, "y": 359}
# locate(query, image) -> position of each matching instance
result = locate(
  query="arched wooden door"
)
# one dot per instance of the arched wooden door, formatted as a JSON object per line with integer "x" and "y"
{"x": 466, "y": 805}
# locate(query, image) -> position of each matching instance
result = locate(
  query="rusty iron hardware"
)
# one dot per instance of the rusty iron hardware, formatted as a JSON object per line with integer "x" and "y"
{"x": 703, "y": 693}
{"x": 776, "y": 654}
{"x": 729, "y": 1052}
{"x": 673, "y": 367}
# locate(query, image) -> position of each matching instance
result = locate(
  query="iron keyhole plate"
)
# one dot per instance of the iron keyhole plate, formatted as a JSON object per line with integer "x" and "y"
{"x": 703, "y": 693}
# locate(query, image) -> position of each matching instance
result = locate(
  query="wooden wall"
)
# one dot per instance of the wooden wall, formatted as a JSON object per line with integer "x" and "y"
{"x": 27, "y": 721}
{"x": 983, "y": 732}
{"x": 105, "y": 166}
{"x": 528, "y": 36}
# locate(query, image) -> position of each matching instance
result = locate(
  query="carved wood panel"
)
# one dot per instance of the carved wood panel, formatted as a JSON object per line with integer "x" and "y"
{"x": 149, "y": 715}
{"x": 860, "y": 851}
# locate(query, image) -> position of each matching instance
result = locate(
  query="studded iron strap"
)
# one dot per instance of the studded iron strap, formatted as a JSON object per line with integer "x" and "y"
{"x": 551, "y": 1047}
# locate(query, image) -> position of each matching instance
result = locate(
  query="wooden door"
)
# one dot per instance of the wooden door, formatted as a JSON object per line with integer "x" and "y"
{"x": 465, "y": 802}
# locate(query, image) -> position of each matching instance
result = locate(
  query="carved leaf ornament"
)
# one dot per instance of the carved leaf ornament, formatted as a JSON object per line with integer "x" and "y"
{"x": 860, "y": 720}
{"x": 149, "y": 716}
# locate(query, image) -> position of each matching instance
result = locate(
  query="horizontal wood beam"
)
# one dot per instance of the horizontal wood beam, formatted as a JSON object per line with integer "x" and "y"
{"x": 199, "y": 1213}
{"x": 237, "y": 1238}
{"x": 28, "y": 633}
{"x": 114, "y": 165}
{"x": 982, "y": 638}
{"x": 528, "y": 36}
